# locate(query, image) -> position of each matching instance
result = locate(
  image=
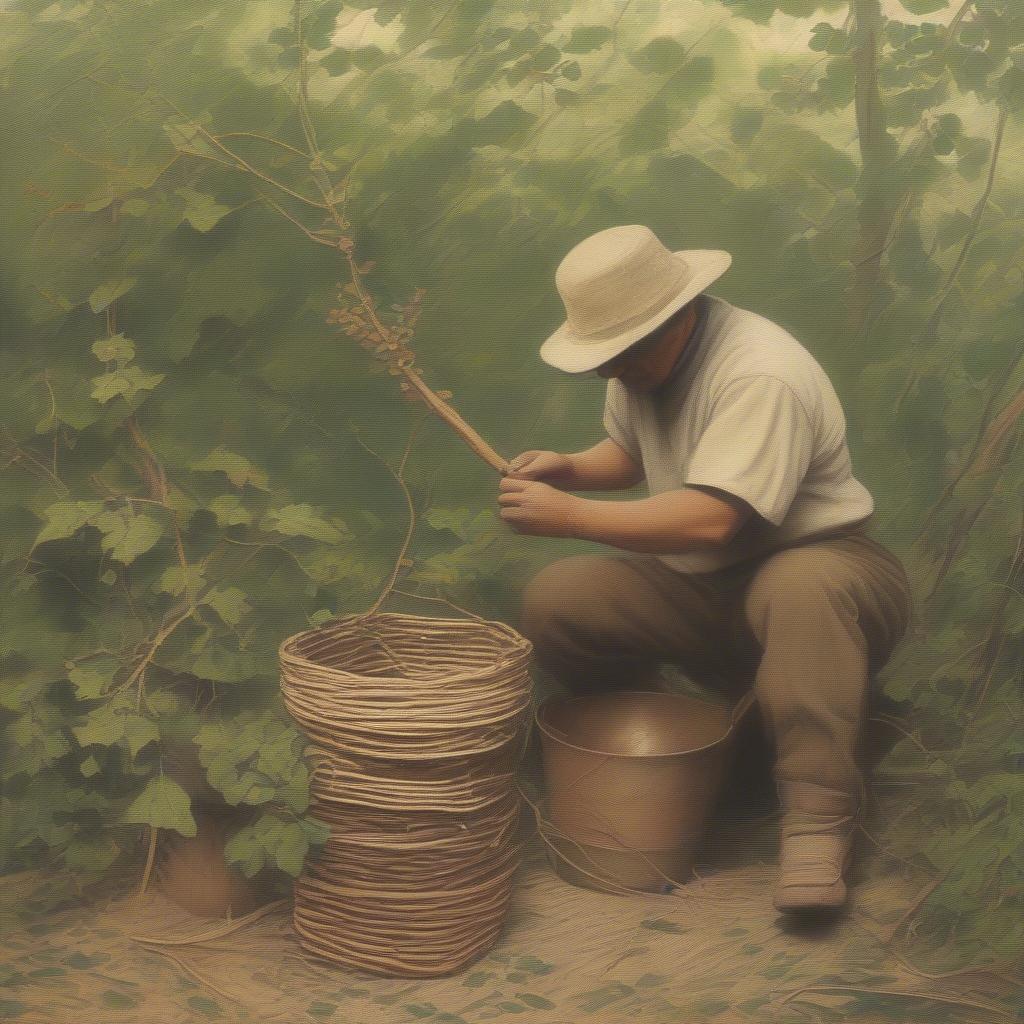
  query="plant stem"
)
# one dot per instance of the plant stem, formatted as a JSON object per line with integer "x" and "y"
{"x": 410, "y": 528}
{"x": 150, "y": 858}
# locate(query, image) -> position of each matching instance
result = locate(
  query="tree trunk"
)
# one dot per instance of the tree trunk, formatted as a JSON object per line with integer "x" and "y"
{"x": 878, "y": 151}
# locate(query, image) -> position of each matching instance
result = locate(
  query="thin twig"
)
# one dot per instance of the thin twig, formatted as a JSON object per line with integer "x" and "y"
{"x": 217, "y": 932}
{"x": 962, "y": 972}
{"x": 150, "y": 858}
{"x": 442, "y": 600}
{"x": 395, "y": 572}
{"x": 934, "y": 996}
{"x": 235, "y": 161}
{"x": 895, "y": 725}
{"x": 947, "y": 287}
{"x": 265, "y": 138}
{"x": 346, "y": 246}
{"x": 311, "y": 235}
{"x": 916, "y": 905}
{"x": 202, "y": 979}
{"x": 154, "y": 646}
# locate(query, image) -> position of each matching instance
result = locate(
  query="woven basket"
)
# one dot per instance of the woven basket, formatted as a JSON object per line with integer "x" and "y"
{"x": 417, "y": 725}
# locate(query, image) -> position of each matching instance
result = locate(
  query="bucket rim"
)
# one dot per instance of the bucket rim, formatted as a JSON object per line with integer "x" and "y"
{"x": 735, "y": 713}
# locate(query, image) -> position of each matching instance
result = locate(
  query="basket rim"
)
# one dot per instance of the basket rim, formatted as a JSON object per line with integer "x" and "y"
{"x": 518, "y": 646}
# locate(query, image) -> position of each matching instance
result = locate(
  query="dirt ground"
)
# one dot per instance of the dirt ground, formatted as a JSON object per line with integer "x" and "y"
{"x": 715, "y": 950}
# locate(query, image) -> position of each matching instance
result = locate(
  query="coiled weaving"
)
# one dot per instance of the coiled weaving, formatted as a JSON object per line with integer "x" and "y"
{"x": 416, "y": 727}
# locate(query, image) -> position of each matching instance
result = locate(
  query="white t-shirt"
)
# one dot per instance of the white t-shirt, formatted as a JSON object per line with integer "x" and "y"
{"x": 748, "y": 410}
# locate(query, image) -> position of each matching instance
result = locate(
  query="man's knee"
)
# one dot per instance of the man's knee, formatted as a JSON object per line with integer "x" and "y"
{"x": 565, "y": 593}
{"x": 799, "y": 586}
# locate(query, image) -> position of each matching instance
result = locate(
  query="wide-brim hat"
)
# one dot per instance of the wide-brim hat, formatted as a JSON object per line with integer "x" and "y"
{"x": 619, "y": 285}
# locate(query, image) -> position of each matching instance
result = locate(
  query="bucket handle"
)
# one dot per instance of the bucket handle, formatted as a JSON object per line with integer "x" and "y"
{"x": 740, "y": 709}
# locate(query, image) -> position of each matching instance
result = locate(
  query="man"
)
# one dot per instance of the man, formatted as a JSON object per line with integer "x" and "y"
{"x": 748, "y": 561}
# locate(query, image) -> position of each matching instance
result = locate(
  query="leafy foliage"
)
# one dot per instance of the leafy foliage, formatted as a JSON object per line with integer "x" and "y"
{"x": 183, "y": 481}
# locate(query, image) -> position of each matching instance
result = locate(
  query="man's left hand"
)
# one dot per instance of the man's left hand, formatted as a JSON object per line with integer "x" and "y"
{"x": 529, "y": 506}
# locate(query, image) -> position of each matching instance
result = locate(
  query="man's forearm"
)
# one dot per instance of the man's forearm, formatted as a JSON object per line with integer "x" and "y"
{"x": 669, "y": 523}
{"x": 604, "y": 467}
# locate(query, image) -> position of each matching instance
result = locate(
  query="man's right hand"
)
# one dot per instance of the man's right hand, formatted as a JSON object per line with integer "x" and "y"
{"x": 551, "y": 467}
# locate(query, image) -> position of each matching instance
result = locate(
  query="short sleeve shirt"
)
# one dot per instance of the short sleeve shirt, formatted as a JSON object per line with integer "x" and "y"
{"x": 749, "y": 411}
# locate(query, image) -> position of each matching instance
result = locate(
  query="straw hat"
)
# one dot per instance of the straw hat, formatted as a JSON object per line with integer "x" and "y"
{"x": 617, "y": 287}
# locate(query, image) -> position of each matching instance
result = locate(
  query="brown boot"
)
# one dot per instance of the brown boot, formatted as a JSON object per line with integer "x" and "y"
{"x": 815, "y": 853}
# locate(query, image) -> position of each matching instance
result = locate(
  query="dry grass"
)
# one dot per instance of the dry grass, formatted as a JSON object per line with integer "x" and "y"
{"x": 715, "y": 951}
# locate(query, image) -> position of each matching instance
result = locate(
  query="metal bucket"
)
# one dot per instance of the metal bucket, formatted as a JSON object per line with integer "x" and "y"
{"x": 631, "y": 778}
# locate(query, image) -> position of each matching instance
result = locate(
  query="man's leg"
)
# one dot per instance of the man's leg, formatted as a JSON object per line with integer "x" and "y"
{"x": 827, "y": 616}
{"x": 602, "y": 622}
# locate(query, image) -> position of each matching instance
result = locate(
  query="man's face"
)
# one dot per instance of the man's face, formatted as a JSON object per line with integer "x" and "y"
{"x": 645, "y": 365}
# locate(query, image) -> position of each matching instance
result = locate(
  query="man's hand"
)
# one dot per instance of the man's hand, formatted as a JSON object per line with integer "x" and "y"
{"x": 540, "y": 465}
{"x": 529, "y": 506}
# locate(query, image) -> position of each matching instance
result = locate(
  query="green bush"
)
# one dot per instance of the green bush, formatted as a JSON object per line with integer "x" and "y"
{"x": 190, "y": 467}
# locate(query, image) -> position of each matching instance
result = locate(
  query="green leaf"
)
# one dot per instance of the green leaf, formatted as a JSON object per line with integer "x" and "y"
{"x": 203, "y": 212}
{"x": 317, "y": 832}
{"x": 746, "y": 123}
{"x": 135, "y": 207}
{"x": 649, "y": 128}
{"x": 337, "y": 63}
{"x": 118, "y": 1000}
{"x": 93, "y": 677}
{"x": 420, "y": 1010}
{"x": 239, "y": 470}
{"x": 660, "y": 55}
{"x": 179, "y": 579}
{"x": 83, "y": 961}
{"x": 206, "y": 1006}
{"x": 973, "y": 155}
{"x": 230, "y": 511}
{"x": 186, "y": 136}
{"x": 66, "y": 518}
{"x": 454, "y": 519}
{"x": 163, "y": 804}
{"x": 924, "y": 6}
{"x": 223, "y": 662}
{"x": 229, "y": 603}
{"x": 301, "y": 521}
{"x": 109, "y": 292}
{"x": 571, "y": 71}
{"x": 93, "y": 854}
{"x": 537, "y": 1002}
{"x": 127, "y": 382}
{"x": 127, "y": 535}
{"x": 291, "y": 849}
{"x": 322, "y": 1010}
{"x": 103, "y": 726}
{"x": 367, "y": 58}
{"x": 115, "y": 721}
{"x": 139, "y": 731}
{"x": 269, "y": 840}
{"x": 115, "y": 347}
{"x": 585, "y": 38}
{"x": 500, "y": 125}
{"x": 661, "y": 924}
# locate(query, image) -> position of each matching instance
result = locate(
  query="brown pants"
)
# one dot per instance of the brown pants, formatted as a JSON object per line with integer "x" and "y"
{"x": 809, "y": 625}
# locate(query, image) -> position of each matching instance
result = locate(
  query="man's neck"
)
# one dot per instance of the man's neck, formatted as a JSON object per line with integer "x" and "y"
{"x": 692, "y": 339}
